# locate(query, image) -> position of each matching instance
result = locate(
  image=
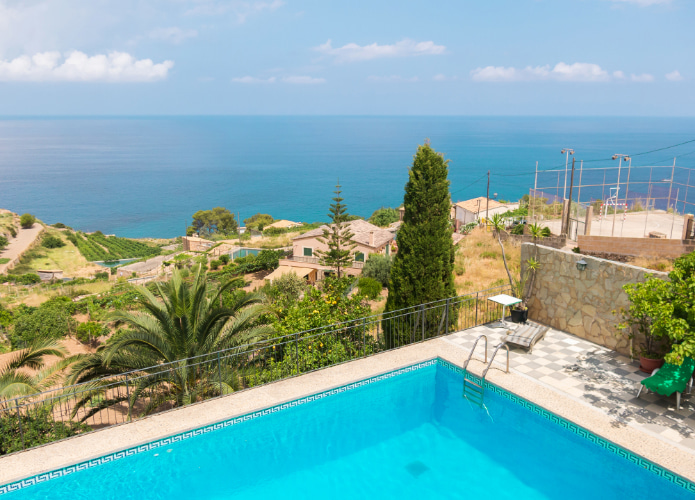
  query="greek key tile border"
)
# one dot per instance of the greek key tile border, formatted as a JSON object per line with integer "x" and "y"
{"x": 47, "y": 476}
{"x": 581, "y": 431}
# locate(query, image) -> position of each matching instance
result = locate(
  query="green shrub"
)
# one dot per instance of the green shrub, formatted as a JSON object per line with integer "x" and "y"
{"x": 3, "y": 242}
{"x": 214, "y": 264}
{"x": 459, "y": 269}
{"x": 37, "y": 427}
{"x": 224, "y": 259}
{"x": 546, "y": 232}
{"x": 51, "y": 320}
{"x": 13, "y": 231}
{"x": 369, "y": 287}
{"x": 88, "y": 332}
{"x": 103, "y": 275}
{"x": 518, "y": 229}
{"x": 378, "y": 267}
{"x": 274, "y": 231}
{"x": 59, "y": 225}
{"x": 51, "y": 241}
{"x": 20, "y": 279}
{"x": 27, "y": 221}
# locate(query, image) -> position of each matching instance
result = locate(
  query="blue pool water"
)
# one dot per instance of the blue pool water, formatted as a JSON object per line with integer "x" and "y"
{"x": 243, "y": 252}
{"x": 114, "y": 263}
{"x": 409, "y": 436}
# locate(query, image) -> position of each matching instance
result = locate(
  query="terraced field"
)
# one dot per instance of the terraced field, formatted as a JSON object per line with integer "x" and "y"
{"x": 96, "y": 246}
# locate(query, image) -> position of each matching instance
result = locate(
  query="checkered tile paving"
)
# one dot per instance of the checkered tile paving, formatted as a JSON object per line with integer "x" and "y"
{"x": 595, "y": 375}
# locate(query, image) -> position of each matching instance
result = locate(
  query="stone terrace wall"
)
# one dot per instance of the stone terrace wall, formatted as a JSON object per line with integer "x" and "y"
{"x": 643, "y": 247}
{"x": 582, "y": 302}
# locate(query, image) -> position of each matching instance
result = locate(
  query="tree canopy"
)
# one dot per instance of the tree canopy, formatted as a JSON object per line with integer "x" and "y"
{"x": 666, "y": 309}
{"x": 337, "y": 237}
{"x": 219, "y": 220}
{"x": 383, "y": 216}
{"x": 27, "y": 220}
{"x": 258, "y": 221}
{"x": 423, "y": 268}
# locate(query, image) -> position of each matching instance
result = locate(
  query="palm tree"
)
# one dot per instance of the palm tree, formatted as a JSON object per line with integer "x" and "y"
{"x": 16, "y": 382}
{"x": 171, "y": 346}
{"x": 498, "y": 227}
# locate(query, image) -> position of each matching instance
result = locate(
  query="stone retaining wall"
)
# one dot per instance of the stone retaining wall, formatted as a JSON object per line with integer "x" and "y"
{"x": 642, "y": 247}
{"x": 582, "y": 302}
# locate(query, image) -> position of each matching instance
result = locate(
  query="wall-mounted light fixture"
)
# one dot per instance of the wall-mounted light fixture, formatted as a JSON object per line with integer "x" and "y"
{"x": 581, "y": 265}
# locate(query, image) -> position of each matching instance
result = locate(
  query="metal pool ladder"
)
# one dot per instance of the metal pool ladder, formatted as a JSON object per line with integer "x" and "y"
{"x": 474, "y": 387}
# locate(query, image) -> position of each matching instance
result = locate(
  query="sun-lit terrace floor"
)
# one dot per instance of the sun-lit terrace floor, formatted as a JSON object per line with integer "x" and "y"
{"x": 597, "y": 376}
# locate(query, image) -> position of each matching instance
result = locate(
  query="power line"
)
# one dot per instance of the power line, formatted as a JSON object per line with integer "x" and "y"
{"x": 551, "y": 169}
{"x": 469, "y": 185}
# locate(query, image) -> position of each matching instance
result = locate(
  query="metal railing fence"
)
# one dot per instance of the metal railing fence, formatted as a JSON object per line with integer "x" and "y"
{"x": 29, "y": 421}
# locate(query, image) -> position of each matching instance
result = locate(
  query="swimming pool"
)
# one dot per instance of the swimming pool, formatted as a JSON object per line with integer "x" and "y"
{"x": 243, "y": 252}
{"x": 405, "y": 434}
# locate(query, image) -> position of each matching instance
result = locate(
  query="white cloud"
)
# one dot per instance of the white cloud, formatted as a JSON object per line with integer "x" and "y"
{"x": 303, "y": 80}
{"x": 644, "y": 77}
{"x": 393, "y": 79}
{"x": 352, "y": 52}
{"x": 79, "y": 67}
{"x": 674, "y": 76}
{"x": 642, "y": 3}
{"x": 577, "y": 72}
{"x": 173, "y": 35}
{"x": 241, "y": 9}
{"x": 295, "y": 80}
{"x": 253, "y": 80}
{"x": 618, "y": 75}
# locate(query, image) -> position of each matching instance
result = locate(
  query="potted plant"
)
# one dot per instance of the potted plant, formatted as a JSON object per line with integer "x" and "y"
{"x": 519, "y": 313}
{"x": 646, "y": 304}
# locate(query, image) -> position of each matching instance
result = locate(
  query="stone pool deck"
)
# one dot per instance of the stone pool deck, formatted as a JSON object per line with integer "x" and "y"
{"x": 596, "y": 376}
{"x": 568, "y": 376}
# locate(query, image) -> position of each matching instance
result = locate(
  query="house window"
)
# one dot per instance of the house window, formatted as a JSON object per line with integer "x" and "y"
{"x": 359, "y": 257}
{"x": 308, "y": 252}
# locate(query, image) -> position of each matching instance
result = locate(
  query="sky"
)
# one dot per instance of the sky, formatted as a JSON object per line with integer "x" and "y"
{"x": 320, "y": 57}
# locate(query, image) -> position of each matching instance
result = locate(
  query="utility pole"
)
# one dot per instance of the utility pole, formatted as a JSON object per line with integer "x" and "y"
{"x": 569, "y": 205}
{"x": 620, "y": 159}
{"x": 567, "y": 152}
{"x": 533, "y": 199}
{"x": 487, "y": 199}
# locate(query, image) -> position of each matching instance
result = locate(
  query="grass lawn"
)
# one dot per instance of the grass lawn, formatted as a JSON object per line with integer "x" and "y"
{"x": 479, "y": 262}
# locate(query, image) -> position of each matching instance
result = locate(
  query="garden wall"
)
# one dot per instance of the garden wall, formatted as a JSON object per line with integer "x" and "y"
{"x": 582, "y": 302}
{"x": 642, "y": 247}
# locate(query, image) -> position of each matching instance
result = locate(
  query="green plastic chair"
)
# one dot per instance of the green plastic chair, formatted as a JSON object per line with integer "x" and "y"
{"x": 669, "y": 379}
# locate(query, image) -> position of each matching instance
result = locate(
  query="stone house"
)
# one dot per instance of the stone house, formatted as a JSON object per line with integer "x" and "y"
{"x": 195, "y": 244}
{"x": 368, "y": 238}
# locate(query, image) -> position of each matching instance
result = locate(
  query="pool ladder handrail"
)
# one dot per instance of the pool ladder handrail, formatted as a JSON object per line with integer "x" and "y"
{"x": 472, "y": 391}
{"x": 477, "y": 390}
{"x": 492, "y": 358}
{"x": 475, "y": 344}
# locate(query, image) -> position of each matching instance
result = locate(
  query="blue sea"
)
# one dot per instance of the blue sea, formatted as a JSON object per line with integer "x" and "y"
{"x": 146, "y": 176}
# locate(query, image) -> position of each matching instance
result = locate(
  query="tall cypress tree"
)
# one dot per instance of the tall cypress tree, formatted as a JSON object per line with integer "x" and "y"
{"x": 423, "y": 269}
{"x": 338, "y": 237}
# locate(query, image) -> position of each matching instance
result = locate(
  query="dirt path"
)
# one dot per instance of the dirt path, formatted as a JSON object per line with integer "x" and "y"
{"x": 25, "y": 238}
